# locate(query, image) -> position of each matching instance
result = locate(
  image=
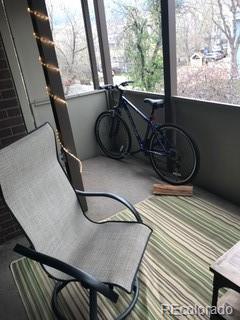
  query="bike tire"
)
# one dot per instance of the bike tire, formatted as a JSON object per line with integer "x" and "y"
{"x": 167, "y": 165}
{"x": 116, "y": 141}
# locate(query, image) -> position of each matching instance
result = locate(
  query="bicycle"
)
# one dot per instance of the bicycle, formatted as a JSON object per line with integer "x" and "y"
{"x": 173, "y": 153}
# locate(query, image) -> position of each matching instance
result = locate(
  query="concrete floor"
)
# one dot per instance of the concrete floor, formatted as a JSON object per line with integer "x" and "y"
{"x": 130, "y": 178}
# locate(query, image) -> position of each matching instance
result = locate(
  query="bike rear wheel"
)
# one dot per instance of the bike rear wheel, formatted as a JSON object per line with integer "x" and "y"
{"x": 113, "y": 135}
{"x": 174, "y": 155}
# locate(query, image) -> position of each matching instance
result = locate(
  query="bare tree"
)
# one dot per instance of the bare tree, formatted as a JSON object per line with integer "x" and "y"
{"x": 229, "y": 27}
{"x": 70, "y": 42}
{"x": 71, "y": 47}
{"x": 194, "y": 27}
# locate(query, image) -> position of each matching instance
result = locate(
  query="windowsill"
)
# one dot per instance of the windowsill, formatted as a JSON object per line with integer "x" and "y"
{"x": 206, "y": 102}
{"x": 85, "y": 93}
{"x": 39, "y": 103}
{"x": 139, "y": 92}
{"x": 143, "y": 93}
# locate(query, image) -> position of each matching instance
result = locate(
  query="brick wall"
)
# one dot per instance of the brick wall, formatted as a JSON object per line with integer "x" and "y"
{"x": 11, "y": 128}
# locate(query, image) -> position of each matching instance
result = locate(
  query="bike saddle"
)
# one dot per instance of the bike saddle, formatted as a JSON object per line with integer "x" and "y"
{"x": 155, "y": 103}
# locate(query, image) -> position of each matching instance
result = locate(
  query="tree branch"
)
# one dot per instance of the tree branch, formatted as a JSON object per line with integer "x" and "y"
{"x": 226, "y": 27}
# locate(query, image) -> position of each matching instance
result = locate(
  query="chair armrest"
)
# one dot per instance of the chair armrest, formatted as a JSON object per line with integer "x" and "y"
{"x": 68, "y": 269}
{"x": 112, "y": 196}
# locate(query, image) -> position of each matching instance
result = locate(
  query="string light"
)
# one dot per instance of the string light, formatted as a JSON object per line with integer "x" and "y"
{"x": 48, "y": 65}
{"x": 38, "y": 14}
{"x": 68, "y": 152}
{"x": 44, "y": 40}
{"x": 54, "y": 68}
{"x": 55, "y": 97}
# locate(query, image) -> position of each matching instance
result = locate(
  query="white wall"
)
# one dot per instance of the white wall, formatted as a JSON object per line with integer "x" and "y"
{"x": 27, "y": 50}
{"x": 8, "y": 41}
{"x": 27, "y": 55}
{"x": 83, "y": 112}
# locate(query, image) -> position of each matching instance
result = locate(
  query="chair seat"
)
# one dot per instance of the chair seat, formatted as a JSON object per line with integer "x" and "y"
{"x": 110, "y": 251}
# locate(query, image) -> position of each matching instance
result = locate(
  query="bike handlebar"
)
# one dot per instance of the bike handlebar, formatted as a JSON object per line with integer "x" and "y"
{"x": 111, "y": 86}
{"x": 126, "y": 83}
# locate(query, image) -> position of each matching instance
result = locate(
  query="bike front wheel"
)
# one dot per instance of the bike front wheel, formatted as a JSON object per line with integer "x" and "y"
{"x": 113, "y": 135}
{"x": 174, "y": 155}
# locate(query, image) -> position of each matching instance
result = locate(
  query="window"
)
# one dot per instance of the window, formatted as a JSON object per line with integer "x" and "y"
{"x": 95, "y": 41}
{"x": 208, "y": 52}
{"x": 71, "y": 45}
{"x": 135, "y": 42}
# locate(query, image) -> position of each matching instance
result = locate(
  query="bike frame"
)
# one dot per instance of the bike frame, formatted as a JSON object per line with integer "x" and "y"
{"x": 126, "y": 105}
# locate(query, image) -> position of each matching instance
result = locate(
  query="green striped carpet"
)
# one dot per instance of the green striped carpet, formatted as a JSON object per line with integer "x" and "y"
{"x": 189, "y": 234}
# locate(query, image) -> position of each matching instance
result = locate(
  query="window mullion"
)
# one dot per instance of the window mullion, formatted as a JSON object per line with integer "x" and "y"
{"x": 91, "y": 49}
{"x": 103, "y": 40}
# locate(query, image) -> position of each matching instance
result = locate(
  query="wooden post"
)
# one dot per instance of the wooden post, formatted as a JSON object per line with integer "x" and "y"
{"x": 170, "y": 190}
{"x": 42, "y": 32}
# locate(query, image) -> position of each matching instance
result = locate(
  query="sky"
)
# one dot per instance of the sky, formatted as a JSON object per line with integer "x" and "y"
{"x": 111, "y": 7}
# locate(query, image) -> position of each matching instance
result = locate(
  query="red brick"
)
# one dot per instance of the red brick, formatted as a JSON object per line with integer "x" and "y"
{"x": 5, "y": 94}
{"x": 2, "y": 54}
{"x": 12, "y": 234}
{"x": 4, "y": 210}
{"x": 6, "y": 84}
{"x": 5, "y": 217}
{"x": 14, "y": 112}
{"x": 14, "y": 226}
{"x": 19, "y": 129}
{"x": 7, "y": 141}
{"x": 5, "y": 133}
{"x": 8, "y": 103}
{"x": 3, "y": 64}
{"x": 8, "y": 223}
{"x": 10, "y": 122}
{"x": 11, "y": 129}
{"x": 3, "y": 114}
{"x": 5, "y": 74}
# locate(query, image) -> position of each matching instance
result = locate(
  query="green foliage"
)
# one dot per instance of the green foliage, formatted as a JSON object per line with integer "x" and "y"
{"x": 143, "y": 46}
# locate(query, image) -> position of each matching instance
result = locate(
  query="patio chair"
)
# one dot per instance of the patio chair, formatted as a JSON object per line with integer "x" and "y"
{"x": 67, "y": 244}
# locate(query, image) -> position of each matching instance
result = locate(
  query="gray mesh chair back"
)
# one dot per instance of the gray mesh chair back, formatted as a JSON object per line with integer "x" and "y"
{"x": 37, "y": 190}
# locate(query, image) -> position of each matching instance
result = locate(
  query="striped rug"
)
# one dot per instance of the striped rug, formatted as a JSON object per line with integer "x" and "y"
{"x": 189, "y": 234}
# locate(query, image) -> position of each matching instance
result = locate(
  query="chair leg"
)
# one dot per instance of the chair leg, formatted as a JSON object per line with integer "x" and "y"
{"x": 125, "y": 313}
{"x": 93, "y": 304}
{"x": 54, "y": 302}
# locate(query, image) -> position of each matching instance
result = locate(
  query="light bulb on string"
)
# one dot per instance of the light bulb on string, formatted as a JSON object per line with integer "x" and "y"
{"x": 55, "y": 97}
{"x": 43, "y": 40}
{"x": 48, "y": 65}
{"x": 68, "y": 152}
{"x": 38, "y": 14}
